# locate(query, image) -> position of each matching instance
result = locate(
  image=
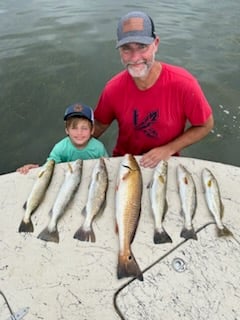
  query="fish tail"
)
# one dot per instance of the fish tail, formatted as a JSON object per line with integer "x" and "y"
{"x": 47, "y": 235}
{"x": 224, "y": 232}
{"x": 85, "y": 235}
{"x": 161, "y": 236}
{"x": 188, "y": 233}
{"x": 127, "y": 267}
{"x": 26, "y": 226}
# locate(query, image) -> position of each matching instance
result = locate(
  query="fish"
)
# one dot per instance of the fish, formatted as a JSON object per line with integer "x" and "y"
{"x": 188, "y": 198}
{"x": 65, "y": 194}
{"x": 214, "y": 201}
{"x": 128, "y": 207}
{"x": 96, "y": 201}
{"x": 36, "y": 196}
{"x": 159, "y": 205}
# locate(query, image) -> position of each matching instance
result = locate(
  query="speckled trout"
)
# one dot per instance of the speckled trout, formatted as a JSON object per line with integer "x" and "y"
{"x": 65, "y": 194}
{"x": 188, "y": 198}
{"x": 158, "y": 192}
{"x": 96, "y": 201}
{"x": 128, "y": 207}
{"x": 214, "y": 202}
{"x": 36, "y": 196}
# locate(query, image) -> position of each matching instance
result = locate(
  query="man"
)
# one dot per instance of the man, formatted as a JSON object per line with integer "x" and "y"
{"x": 151, "y": 101}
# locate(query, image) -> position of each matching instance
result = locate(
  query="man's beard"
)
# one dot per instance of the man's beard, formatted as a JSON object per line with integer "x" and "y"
{"x": 143, "y": 71}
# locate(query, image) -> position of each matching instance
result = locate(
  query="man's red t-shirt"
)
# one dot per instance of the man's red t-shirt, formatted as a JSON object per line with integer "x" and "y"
{"x": 153, "y": 117}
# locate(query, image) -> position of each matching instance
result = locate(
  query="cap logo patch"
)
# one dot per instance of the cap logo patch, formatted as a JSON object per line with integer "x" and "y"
{"x": 133, "y": 24}
{"x": 77, "y": 107}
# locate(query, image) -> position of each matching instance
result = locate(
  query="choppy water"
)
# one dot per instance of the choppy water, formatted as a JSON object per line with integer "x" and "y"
{"x": 53, "y": 53}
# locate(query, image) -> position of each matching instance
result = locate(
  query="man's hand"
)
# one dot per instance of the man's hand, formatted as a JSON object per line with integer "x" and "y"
{"x": 152, "y": 157}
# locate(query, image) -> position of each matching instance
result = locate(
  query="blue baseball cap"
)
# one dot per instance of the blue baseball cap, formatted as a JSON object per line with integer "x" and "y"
{"x": 79, "y": 110}
{"x": 135, "y": 26}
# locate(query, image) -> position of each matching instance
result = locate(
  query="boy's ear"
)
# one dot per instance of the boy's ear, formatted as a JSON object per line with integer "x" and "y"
{"x": 66, "y": 130}
{"x": 93, "y": 129}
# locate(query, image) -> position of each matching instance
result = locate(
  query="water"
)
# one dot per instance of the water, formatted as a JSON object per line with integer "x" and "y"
{"x": 54, "y": 53}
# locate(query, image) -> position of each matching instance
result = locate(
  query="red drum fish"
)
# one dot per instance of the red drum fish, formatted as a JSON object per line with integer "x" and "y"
{"x": 128, "y": 207}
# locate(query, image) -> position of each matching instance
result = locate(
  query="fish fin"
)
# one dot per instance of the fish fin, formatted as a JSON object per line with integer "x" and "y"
{"x": 25, "y": 205}
{"x": 188, "y": 233}
{"x": 221, "y": 210}
{"x": 149, "y": 185}
{"x": 26, "y": 226}
{"x": 135, "y": 227}
{"x": 161, "y": 236}
{"x": 127, "y": 267}
{"x": 182, "y": 213}
{"x": 101, "y": 209}
{"x": 165, "y": 209}
{"x": 116, "y": 227}
{"x": 126, "y": 175}
{"x": 98, "y": 175}
{"x": 70, "y": 167}
{"x": 162, "y": 179}
{"x": 85, "y": 235}
{"x": 84, "y": 212}
{"x": 50, "y": 213}
{"x": 225, "y": 232}
{"x": 46, "y": 235}
{"x": 41, "y": 173}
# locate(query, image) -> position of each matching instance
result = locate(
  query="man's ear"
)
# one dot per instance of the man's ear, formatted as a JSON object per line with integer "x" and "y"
{"x": 156, "y": 43}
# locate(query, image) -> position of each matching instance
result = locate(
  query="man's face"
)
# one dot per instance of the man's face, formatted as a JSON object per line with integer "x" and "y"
{"x": 138, "y": 58}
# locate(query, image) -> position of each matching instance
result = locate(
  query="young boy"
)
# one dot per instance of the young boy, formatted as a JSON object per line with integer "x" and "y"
{"x": 79, "y": 143}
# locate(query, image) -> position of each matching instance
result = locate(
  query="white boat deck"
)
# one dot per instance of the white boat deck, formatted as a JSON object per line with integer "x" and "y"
{"x": 77, "y": 280}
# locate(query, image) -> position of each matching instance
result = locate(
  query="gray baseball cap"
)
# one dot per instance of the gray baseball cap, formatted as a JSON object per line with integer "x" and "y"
{"x": 135, "y": 26}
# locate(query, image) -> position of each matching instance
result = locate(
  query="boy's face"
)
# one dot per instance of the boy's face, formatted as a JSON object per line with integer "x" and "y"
{"x": 79, "y": 131}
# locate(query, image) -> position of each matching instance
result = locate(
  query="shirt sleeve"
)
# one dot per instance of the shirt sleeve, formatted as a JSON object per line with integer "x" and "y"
{"x": 104, "y": 110}
{"x": 55, "y": 154}
{"x": 105, "y": 153}
{"x": 102, "y": 150}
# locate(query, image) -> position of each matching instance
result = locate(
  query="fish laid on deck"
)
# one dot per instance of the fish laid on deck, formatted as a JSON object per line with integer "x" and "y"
{"x": 128, "y": 207}
{"x": 214, "y": 201}
{"x": 96, "y": 201}
{"x": 36, "y": 196}
{"x": 65, "y": 194}
{"x": 158, "y": 191}
{"x": 188, "y": 198}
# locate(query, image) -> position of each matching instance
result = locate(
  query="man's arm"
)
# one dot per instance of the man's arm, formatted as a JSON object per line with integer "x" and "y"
{"x": 99, "y": 128}
{"x": 189, "y": 137}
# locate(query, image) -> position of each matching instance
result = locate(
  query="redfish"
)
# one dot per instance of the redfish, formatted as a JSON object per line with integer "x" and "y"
{"x": 128, "y": 207}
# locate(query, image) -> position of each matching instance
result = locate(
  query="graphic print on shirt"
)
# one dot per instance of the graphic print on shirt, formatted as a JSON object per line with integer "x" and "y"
{"x": 146, "y": 124}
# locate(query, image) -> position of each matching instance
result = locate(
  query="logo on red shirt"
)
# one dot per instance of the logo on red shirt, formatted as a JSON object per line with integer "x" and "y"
{"x": 146, "y": 124}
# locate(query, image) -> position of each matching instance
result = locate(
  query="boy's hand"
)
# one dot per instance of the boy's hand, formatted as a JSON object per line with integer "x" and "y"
{"x": 25, "y": 169}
